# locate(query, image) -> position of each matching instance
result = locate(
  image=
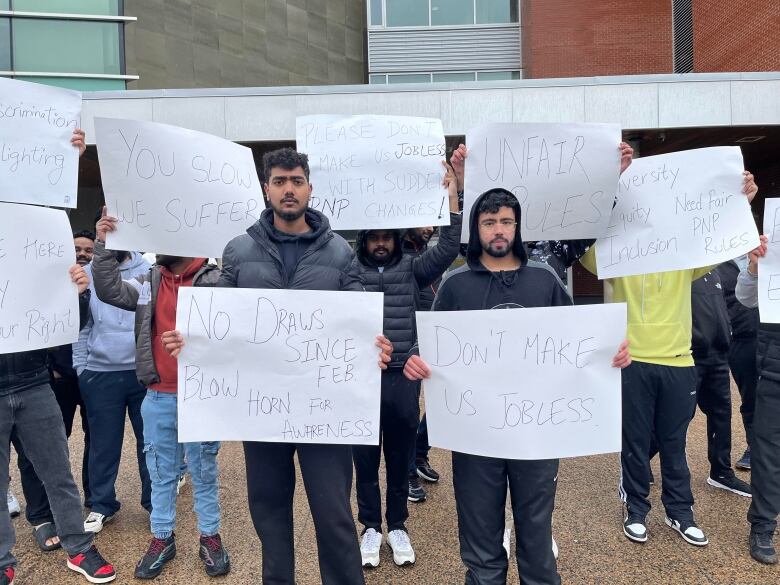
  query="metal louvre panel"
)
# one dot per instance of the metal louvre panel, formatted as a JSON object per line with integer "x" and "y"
{"x": 444, "y": 49}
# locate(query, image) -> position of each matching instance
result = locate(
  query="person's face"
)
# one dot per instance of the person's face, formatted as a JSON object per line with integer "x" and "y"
{"x": 167, "y": 261}
{"x": 497, "y": 232}
{"x": 288, "y": 192}
{"x": 422, "y": 235}
{"x": 85, "y": 248}
{"x": 380, "y": 245}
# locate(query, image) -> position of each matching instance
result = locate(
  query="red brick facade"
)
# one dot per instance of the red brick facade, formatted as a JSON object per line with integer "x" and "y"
{"x": 562, "y": 38}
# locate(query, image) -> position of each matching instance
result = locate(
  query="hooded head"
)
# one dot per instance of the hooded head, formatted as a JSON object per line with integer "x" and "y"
{"x": 489, "y": 204}
{"x": 378, "y": 247}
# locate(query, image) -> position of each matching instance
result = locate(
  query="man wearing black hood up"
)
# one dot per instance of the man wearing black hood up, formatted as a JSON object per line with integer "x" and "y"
{"x": 498, "y": 275}
{"x": 383, "y": 267}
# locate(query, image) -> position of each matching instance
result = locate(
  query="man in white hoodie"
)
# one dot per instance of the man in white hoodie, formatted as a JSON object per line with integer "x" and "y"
{"x": 104, "y": 359}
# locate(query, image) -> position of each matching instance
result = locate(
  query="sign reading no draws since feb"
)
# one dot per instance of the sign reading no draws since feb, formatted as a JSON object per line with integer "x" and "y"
{"x": 376, "y": 171}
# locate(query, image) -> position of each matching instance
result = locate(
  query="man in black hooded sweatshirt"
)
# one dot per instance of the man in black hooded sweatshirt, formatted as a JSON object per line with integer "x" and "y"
{"x": 383, "y": 267}
{"x": 498, "y": 275}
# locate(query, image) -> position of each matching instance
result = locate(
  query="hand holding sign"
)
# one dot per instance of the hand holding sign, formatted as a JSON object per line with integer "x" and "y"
{"x": 79, "y": 277}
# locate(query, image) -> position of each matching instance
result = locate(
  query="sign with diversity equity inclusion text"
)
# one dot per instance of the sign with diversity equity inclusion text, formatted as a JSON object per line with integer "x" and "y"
{"x": 376, "y": 171}
{"x": 175, "y": 191}
{"x": 535, "y": 383}
{"x": 769, "y": 265}
{"x": 677, "y": 211}
{"x": 296, "y": 366}
{"x": 39, "y": 304}
{"x": 38, "y": 164}
{"x": 564, "y": 175}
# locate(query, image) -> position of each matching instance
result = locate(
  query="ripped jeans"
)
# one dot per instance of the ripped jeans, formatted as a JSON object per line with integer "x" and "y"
{"x": 164, "y": 458}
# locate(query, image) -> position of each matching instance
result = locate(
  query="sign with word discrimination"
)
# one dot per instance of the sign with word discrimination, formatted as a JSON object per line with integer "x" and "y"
{"x": 38, "y": 164}
{"x": 564, "y": 175}
{"x": 376, "y": 171}
{"x": 39, "y": 304}
{"x": 677, "y": 211}
{"x": 175, "y": 191}
{"x": 769, "y": 265}
{"x": 293, "y": 366}
{"x": 524, "y": 383}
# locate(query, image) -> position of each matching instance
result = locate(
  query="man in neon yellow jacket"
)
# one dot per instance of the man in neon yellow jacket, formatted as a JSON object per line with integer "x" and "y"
{"x": 659, "y": 392}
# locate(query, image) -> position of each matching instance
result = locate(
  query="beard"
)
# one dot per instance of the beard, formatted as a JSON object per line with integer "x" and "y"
{"x": 167, "y": 261}
{"x": 381, "y": 259}
{"x": 288, "y": 214}
{"x": 491, "y": 250}
{"x": 83, "y": 260}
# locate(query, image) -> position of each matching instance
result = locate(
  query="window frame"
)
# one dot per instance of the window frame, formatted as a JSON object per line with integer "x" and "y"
{"x": 383, "y": 25}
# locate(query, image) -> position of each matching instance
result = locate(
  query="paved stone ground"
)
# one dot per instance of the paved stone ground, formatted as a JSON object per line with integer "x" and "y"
{"x": 587, "y": 528}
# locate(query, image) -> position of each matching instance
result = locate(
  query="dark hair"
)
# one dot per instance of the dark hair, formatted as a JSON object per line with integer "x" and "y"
{"x": 492, "y": 201}
{"x": 285, "y": 158}
{"x": 84, "y": 234}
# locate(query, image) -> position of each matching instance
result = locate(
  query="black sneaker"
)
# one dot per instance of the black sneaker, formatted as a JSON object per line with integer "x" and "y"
{"x": 691, "y": 533}
{"x": 634, "y": 528}
{"x": 214, "y": 555}
{"x": 744, "y": 461}
{"x": 7, "y": 576}
{"x": 425, "y": 471}
{"x": 160, "y": 552}
{"x": 416, "y": 491}
{"x": 762, "y": 548}
{"x": 731, "y": 484}
{"x": 93, "y": 566}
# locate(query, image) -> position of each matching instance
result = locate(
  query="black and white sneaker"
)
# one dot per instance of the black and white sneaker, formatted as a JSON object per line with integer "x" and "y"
{"x": 634, "y": 528}
{"x": 732, "y": 484}
{"x": 426, "y": 472}
{"x": 691, "y": 533}
{"x": 416, "y": 491}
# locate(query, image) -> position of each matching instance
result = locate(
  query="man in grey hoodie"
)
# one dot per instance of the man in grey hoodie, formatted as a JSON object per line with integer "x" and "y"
{"x": 104, "y": 359}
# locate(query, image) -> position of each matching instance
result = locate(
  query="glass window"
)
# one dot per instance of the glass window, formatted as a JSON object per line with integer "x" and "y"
{"x": 48, "y": 45}
{"x": 453, "y": 77}
{"x": 409, "y": 78}
{"x": 5, "y": 4}
{"x": 377, "y": 78}
{"x": 376, "y": 12}
{"x": 497, "y": 11}
{"x": 407, "y": 12}
{"x": 444, "y": 12}
{"x": 497, "y": 75}
{"x": 79, "y": 84}
{"x": 101, "y": 7}
{"x": 5, "y": 44}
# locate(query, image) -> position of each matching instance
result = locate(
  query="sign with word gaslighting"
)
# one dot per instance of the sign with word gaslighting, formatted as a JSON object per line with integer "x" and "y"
{"x": 294, "y": 366}
{"x": 38, "y": 164}
{"x": 376, "y": 171}
{"x": 175, "y": 191}
{"x": 678, "y": 211}
{"x": 535, "y": 383}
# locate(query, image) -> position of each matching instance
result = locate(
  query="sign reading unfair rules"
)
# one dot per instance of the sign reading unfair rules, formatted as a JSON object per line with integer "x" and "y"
{"x": 279, "y": 365}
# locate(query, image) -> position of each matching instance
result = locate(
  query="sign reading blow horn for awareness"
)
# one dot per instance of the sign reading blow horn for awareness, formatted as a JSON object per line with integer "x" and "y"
{"x": 534, "y": 383}
{"x": 279, "y": 365}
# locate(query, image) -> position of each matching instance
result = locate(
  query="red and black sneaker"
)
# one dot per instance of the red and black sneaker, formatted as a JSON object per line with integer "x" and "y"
{"x": 7, "y": 576}
{"x": 93, "y": 566}
{"x": 214, "y": 555}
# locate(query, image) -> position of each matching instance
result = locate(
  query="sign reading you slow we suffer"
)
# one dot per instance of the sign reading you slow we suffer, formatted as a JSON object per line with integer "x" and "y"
{"x": 677, "y": 211}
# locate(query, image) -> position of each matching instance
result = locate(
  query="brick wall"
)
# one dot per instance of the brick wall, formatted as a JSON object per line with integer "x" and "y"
{"x": 562, "y": 38}
{"x": 738, "y": 35}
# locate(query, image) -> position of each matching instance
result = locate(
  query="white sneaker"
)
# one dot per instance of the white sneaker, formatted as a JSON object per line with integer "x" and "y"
{"x": 507, "y": 540}
{"x": 369, "y": 547}
{"x": 555, "y": 549}
{"x": 13, "y": 505}
{"x": 180, "y": 483}
{"x": 95, "y": 522}
{"x": 403, "y": 553}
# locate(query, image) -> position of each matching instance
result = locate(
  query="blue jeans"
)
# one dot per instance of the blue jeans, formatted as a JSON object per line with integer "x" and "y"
{"x": 164, "y": 459}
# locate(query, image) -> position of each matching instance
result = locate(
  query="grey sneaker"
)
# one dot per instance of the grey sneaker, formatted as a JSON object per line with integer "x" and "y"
{"x": 762, "y": 547}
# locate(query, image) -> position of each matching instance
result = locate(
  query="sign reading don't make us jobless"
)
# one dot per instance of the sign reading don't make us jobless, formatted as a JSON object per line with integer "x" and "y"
{"x": 376, "y": 171}
{"x": 279, "y": 365}
{"x": 175, "y": 191}
{"x": 677, "y": 211}
{"x": 38, "y": 164}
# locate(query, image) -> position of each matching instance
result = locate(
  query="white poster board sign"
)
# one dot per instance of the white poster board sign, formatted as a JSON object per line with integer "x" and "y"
{"x": 769, "y": 265}
{"x": 376, "y": 171}
{"x": 39, "y": 304}
{"x": 38, "y": 164}
{"x": 294, "y": 366}
{"x": 175, "y": 191}
{"x": 564, "y": 175}
{"x": 678, "y": 211}
{"x": 524, "y": 383}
